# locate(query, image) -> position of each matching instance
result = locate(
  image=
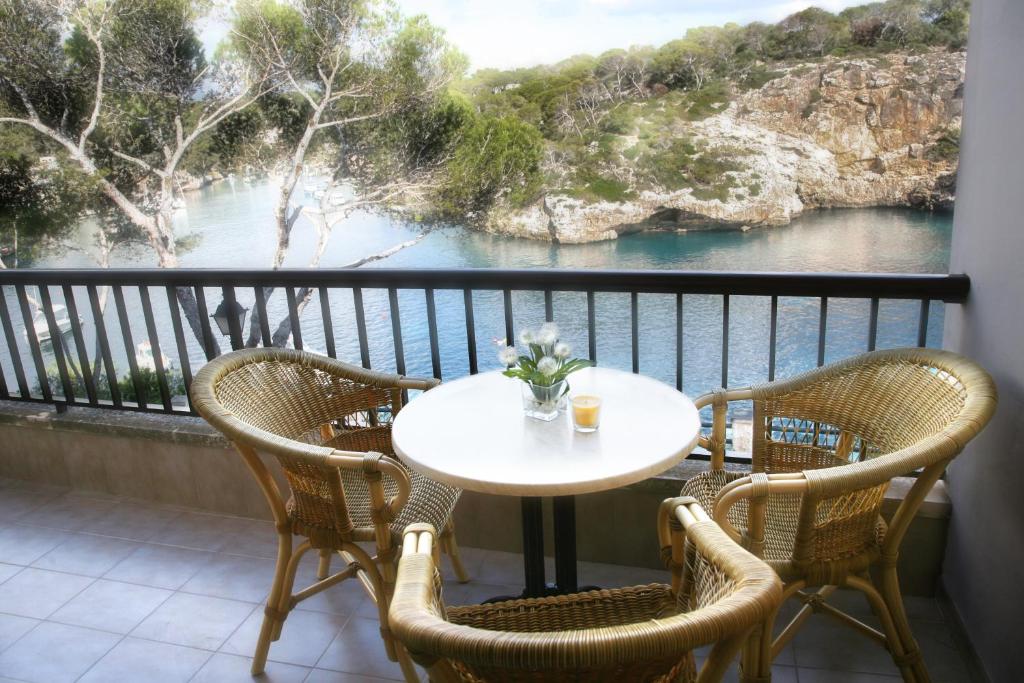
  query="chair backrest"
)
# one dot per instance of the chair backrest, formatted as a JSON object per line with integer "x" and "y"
{"x": 852, "y": 426}
{"x": 300, "y": 408}
{"x": 598, "y": 636}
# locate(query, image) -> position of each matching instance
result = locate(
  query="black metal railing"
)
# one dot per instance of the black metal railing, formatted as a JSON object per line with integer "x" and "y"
{"x": 66, "y": 336}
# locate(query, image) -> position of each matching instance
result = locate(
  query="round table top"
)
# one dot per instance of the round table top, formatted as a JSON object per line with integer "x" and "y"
{"x": 472, "y": 433}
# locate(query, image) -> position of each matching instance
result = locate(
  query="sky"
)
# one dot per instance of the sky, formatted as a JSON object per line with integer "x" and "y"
{"x": 513, "y": 33}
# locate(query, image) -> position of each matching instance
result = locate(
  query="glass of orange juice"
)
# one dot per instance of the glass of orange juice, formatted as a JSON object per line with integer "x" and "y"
{"x": 586, "y": 412}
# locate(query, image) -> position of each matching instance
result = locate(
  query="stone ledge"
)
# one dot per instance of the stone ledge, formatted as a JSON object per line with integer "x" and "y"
{"x": 188, "y": 430}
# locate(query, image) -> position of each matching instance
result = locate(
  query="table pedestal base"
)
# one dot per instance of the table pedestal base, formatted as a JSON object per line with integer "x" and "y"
{"x": 533, "y": 549}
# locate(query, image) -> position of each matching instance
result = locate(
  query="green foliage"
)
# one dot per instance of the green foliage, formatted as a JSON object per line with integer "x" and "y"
{"x": 546, "y": 361}
{"x": 148, "y": 381}
{"x": 609, "y": 189}
{"x": 497, "y": 156}
{"x": 947, "y": 147}
{"x": 756, "y": 77}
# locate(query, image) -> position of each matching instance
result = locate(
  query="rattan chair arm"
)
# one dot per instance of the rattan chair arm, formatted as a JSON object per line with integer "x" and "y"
{"x": 745, "y": 488}
{"x": 376, "y": 463}
{"x": 417, "y": 623}
{"x": 417, "y": 383}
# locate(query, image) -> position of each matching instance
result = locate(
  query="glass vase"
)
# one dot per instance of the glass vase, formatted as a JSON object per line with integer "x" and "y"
{"x": 542, "y": 402}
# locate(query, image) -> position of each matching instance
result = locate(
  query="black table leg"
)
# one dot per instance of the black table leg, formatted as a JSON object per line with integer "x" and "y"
{"x": 533, "y": 547}
{"x": 565, "y": 543}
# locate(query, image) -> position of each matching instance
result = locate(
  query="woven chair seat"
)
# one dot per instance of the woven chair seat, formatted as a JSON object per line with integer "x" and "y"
{"x": 781, "y": 521}
{"x": 429, "y": 501}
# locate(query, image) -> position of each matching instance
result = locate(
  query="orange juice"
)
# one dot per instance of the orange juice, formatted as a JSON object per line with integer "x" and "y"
{"x": 586, "y": 412}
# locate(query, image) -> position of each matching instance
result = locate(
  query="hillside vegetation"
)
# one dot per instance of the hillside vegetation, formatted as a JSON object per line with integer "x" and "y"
{"x": 645, "y": 125}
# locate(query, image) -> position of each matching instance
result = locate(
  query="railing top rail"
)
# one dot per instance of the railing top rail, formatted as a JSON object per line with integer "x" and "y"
{"x": 951, "y": 288}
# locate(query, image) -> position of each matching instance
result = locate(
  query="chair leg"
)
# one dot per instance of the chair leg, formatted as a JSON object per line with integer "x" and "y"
{"x": 284, "y": 605}
{"x": 903, "y": 658}
{"x": 409, "y": 671}
{"x": 451, "y": 549}
{"x": 890, "y": 590}
{"x": 756, "y": 659}
{"x": 324, "y": 568}
{"x": 272, "y": 615}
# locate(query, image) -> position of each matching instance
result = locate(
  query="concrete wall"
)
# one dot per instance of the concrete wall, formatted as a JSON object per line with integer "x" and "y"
{"x": 985, "y": 553}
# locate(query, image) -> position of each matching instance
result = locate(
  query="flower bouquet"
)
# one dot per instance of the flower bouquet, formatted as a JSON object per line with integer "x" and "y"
{"x": 544, "y": 370}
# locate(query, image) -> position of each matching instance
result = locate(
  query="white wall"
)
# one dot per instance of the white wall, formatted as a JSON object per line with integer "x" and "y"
{"x": 984, "y": 567}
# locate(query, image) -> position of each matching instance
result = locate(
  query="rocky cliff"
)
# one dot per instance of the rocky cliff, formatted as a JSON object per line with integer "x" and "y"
{"x": 839, "y": 133}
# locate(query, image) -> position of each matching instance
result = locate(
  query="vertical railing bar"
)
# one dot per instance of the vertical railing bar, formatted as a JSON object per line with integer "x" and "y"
{"x": 634, "y": 324}
{"x": 922, "y": 323}
{"x": 822, "y": 325}
{"x": 4, "y": 393}
{"x": 57, "y": 342}
{"x": 549, "y": 306}
{"x": 261, "y": 310}
{"x": 179, "y": 340}
{"x": 364, "y": 345}
{"x": 142, "y": 400}
{"x": 435, "y": 353}
{"x": 293, "y": 317}
{"x": 154, "y": 346}
{"x": 591, "y": 327}
{"x": 325, "y": 315}
{"x": 467, "y": 299}
{"x": 33, "y": 343}
{"x": 679, "y": 341}
{"x": 396, "y": 330}
{"x": 101, "y": 336}
{"x": 773, "y": 337}
{"x": 510, "y": 331}
{"x": 873, "y": 325}
{"x": 12, "y": 346}
{"x": 83, "y": 355}
{"x": 725, "y": 340}
{"x": 234, "y": 325}
{"x": 204, "y": 322}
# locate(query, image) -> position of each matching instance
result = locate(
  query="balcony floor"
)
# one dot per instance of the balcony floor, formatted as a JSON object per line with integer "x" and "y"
{"x": 99, "y": 588}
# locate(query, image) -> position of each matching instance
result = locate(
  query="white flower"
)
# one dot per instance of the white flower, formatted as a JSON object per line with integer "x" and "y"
{"x": 526, "y": 337}
{"x": 548, "y": 334}
{"x": 562, "y": 350}
{"x": 547, "y": 366}
{"x": 508, "y": 356}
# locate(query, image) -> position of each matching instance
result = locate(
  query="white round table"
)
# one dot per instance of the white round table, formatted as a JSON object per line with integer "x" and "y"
{"x": 472, "y": 433}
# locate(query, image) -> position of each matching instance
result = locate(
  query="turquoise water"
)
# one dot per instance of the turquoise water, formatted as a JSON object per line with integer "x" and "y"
{"x": 235, "y": 230}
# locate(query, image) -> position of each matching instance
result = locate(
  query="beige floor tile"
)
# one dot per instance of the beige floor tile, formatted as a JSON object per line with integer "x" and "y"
{"x": 143, "y": 660}
{"x": 39, "y": 593}
{"x": 194, "y": 621}
{"x": 199, "y": 531}
{"x": 13, "y": 627}
{"x": 87, "y": 555}
{"x": 225, "y": 668}
{"x": 325, "y": 676}
{"x": 55, "y": 653}
{"x": 254, "y": 538}
{"x": 132, "y": 521}
{"x": 111, "y": 606}
{"x": 8, "y": 570}
{"x": 358, "y": 649}
{"x": 234, "y": 577}
{"x": 823, "y": 643}
{"x": 614, "y": 575}
{"x": 826, "y": 676}
{"x": 23, "y": 545}
{"x": 16, "y": 503}
{"x": 160, "y": 566}
{"x": 70, "y": 512}
{"x": 304, "y": 638}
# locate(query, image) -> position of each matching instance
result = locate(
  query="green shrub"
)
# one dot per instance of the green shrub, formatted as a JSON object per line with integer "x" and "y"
{"x": 148, "y": 381}
{"x": 610, "y": 190}
{"x": 947, "y": 147}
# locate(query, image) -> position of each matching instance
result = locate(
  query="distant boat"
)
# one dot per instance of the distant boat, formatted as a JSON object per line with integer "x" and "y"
{"x": 144, "y": 357}
{"x": 42, "y": 328}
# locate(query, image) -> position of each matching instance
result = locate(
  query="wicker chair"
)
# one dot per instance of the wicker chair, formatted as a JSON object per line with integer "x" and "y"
{"x": 328, "y": 425}
{"x": 826, "y": 444}
{"x": 719, "y": 592}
